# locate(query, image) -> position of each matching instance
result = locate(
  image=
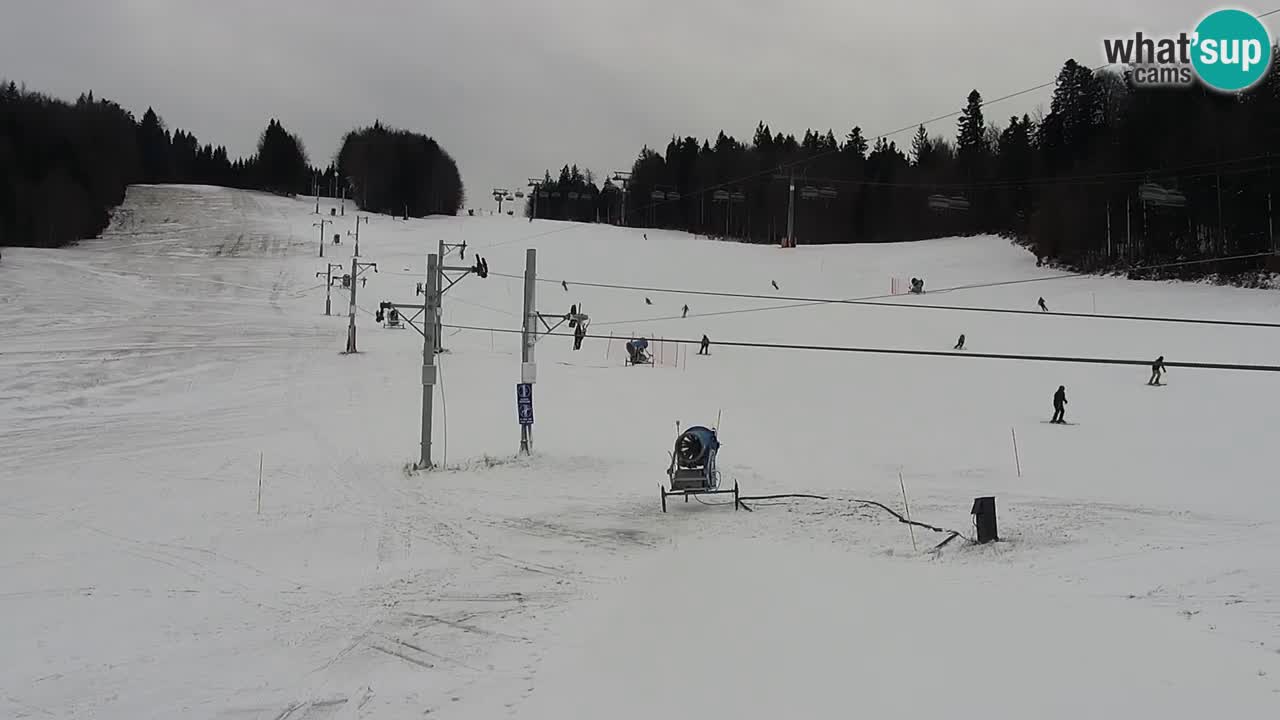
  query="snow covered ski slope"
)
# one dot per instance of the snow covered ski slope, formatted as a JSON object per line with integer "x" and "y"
{"x": 146, "y": 375}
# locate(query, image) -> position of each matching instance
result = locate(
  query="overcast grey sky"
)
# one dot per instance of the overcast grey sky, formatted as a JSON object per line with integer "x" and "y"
{"x": 512, "y": 88}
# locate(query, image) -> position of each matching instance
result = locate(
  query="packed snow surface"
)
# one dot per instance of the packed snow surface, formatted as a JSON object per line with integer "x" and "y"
{"x": 147, "y": 375}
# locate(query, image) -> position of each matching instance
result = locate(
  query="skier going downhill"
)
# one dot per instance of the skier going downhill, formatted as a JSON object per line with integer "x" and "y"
{"x": 960, "y": 343}
{"x": 684, "y": 312}
{"x": 705, "y": 347}
{"x": 1043, "y": 307}
{"x": 1157, "y": 369}
{"x": 1059, "y": 405}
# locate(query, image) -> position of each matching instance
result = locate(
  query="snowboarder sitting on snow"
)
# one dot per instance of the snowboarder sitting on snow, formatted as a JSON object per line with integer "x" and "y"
{"x": 960, "y": 342}
{"x": 1043, "y": 307}
{"x": 1059, "y": 405}
{"x": 705, "y": 348}
{"x": 1157, "y": 368}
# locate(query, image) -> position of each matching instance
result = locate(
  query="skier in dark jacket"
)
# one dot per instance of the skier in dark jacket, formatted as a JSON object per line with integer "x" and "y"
{"x": 684, "y": 312}
{"x": 1043, "y": 307}
{"x": 1157, "y": 369}
{"x": 1059, "y": 405}
{"x": 960, "y": 342}
{"x": 705, "y": 348}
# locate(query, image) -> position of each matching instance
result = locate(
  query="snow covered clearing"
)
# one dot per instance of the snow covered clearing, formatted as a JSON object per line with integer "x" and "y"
{"x": 144, "y": 376}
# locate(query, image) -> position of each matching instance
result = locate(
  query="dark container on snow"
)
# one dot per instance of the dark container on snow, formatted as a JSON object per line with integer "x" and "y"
{"x": 984, "y": 519}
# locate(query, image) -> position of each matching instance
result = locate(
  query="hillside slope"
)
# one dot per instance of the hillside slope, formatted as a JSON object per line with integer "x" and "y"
{"x": 147, "y": 374}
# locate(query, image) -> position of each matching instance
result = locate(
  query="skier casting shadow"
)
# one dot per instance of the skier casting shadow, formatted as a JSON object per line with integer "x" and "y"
{"x": 1059, "y": 405}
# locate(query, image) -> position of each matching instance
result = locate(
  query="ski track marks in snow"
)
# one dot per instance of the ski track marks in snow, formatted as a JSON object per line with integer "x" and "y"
{"x": 144, "y": 374}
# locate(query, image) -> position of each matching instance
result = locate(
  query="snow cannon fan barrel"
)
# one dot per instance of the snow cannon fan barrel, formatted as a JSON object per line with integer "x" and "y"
{"x": 694, "y": 447}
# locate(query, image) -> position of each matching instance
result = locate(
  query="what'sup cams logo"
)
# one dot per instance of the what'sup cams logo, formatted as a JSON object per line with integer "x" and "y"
{"x": 1229, "y": 50}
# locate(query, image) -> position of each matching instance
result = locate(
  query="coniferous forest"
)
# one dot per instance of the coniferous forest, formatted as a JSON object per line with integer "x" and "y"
{"x": 1109, "y": 176}
{"x": 398, "y": 172}
{"x": 64, "y": 166}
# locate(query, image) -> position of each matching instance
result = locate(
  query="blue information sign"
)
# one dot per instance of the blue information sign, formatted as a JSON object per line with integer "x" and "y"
{"x": 524, "y": 403}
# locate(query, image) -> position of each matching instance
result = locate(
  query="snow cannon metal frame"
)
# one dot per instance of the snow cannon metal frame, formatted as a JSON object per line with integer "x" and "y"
{"x": 693, "y": 468}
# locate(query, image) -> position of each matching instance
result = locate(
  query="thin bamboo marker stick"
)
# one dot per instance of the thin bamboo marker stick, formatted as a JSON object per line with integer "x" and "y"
{"x": 908, "y": 509}
{"x": 1016, "y": 461}
{"x": 260, "y": 483}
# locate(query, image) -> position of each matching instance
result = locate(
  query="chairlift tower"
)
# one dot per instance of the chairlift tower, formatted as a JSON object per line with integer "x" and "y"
{"x": 623, "y": 177}
{"x": 328, "y": 284}
{"x": 534, "y": 193}
{"x": 428, "y": 312}
{"x": 359, "y": 219}
{"x": 807, "y": 192}
{"x": 357, "y": 269}
{"x": 729, "y": 198}
{"x": 501, "y": 195}
{"x": 321, "y": 224}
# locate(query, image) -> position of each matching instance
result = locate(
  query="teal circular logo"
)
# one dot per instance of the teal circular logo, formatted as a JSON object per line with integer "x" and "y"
{"x": 1232, "y": 50}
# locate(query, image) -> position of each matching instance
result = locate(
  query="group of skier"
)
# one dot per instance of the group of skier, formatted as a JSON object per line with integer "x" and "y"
{"x": 636, "y": 349}
{"x": 1060, "y": 396}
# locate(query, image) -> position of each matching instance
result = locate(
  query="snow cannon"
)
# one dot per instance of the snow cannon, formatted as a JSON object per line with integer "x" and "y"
{"x": 636, "y": 354}
{"x": 693, "y": 466}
